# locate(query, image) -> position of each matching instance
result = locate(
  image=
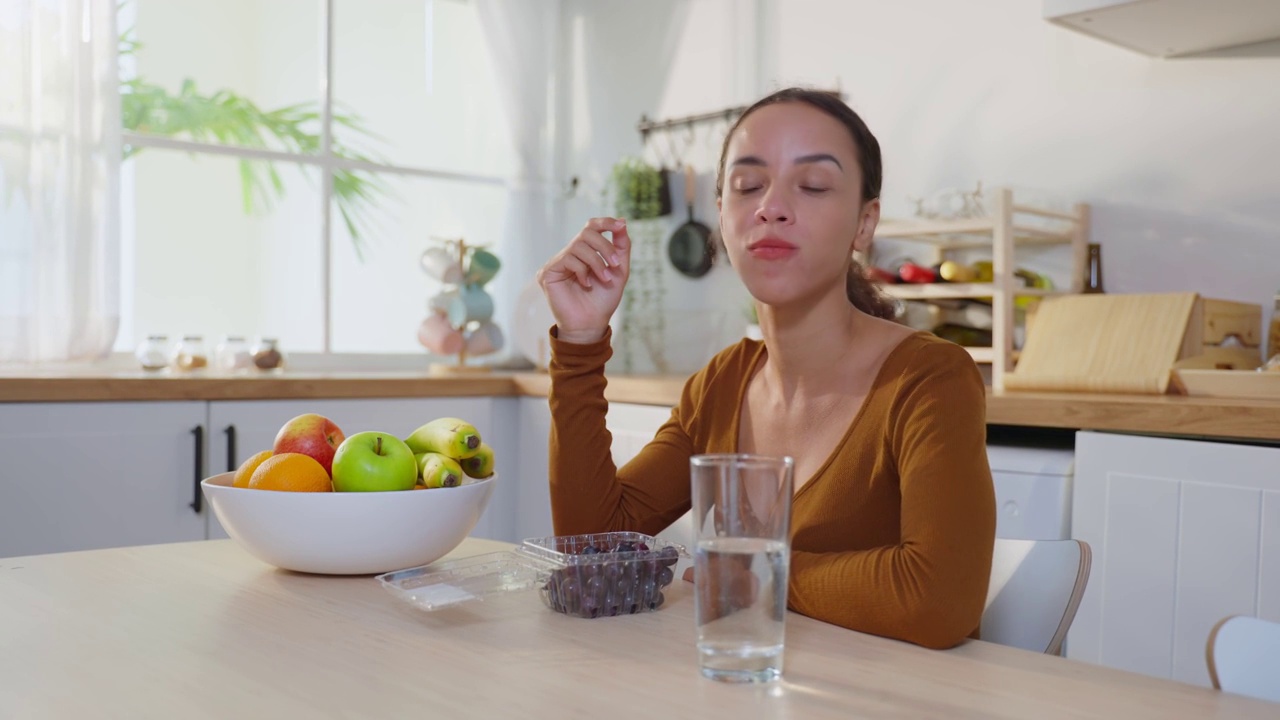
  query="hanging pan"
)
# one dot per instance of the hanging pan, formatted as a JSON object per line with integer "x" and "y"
{"x": 690, "y": 249}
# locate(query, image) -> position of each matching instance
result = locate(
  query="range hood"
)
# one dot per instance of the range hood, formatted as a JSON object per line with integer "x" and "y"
{"x": 1172, "y": 28}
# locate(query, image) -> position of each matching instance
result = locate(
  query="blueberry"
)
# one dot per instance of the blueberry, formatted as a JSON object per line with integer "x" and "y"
{"x": 669, "y": 556}
{"x": 624, "y": 547}
{"x": 589, "y": 550}
{"x": 642, "y": 547}
{"x": 665, "y": 576}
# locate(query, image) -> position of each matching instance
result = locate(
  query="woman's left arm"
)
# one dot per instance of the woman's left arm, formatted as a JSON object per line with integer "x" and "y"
{"x": 930, "y": 589}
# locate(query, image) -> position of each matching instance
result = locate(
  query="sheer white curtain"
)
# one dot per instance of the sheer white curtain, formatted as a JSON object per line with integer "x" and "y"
{"x": 59, "y": 180}
{"x": 522, "y": 39}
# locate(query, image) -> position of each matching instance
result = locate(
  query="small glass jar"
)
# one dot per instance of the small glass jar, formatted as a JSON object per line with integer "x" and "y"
{"x": 266, "y": 355}
{"x": 190, "y": 355}
{"x": 153, "y": 353}
{"x": 232, "y": 355}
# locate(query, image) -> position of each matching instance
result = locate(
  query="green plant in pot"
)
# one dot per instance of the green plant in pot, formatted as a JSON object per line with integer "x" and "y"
{"x": 637, "y": 189}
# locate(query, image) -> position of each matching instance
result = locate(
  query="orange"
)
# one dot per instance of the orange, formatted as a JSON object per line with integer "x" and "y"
{"x": 245, "y": 471}
{"x": 293, "y": 472}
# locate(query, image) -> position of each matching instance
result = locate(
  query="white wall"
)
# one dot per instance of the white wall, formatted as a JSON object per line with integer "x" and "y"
{"x": 1178, "y": 158}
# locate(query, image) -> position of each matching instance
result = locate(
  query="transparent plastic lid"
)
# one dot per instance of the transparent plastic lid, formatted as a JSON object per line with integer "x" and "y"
{"x": 621, "y": 561}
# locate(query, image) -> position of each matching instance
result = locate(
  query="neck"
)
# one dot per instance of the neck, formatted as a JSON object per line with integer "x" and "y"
{"x": 805, "y": 339}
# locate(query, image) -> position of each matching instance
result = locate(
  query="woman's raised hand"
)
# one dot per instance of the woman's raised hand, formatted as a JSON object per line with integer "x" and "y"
{"x": 584, "y": 281}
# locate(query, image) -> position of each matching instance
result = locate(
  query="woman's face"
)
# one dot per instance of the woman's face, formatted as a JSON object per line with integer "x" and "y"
{"x": 791, "y": 211}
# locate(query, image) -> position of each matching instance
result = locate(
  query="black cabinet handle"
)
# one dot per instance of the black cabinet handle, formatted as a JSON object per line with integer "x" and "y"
{"x": 197, "y": 500}
{"x": 230, "y": 432}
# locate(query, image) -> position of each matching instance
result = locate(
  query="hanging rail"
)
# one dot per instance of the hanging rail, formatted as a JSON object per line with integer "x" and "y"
{"x": 645, "y": 126}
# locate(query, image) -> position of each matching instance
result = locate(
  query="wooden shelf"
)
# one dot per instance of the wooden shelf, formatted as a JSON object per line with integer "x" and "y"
{"x": 1009, "y": 226}
{"x": 944, "y": 291}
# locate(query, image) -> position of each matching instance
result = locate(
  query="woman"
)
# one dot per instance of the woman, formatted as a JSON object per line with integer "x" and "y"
{"x": 893, "y": 518}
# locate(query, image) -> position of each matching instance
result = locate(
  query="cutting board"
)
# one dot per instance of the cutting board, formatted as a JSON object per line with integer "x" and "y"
{"x": 1104, "y": 343}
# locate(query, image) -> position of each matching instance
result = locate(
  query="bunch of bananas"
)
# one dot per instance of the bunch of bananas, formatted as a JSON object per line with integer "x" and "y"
{"x": 449, "y": 450}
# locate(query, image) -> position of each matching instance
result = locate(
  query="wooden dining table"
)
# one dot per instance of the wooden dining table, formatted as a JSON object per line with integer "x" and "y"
{"x": 204, "y": 630}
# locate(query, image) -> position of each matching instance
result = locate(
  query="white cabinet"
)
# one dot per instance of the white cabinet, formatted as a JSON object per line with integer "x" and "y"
{"x": 240, "y": 428}
{"x": 79, "y": 476}
{"x": 533, "y": 495}
{"x": 1183, "y": 533}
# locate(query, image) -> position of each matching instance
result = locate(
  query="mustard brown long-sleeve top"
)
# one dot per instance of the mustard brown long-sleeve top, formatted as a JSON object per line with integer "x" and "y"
{"x": 893, "y": 536}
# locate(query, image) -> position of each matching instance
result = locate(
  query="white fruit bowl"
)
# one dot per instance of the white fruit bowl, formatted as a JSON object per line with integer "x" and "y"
{"x": 347, "y": 533}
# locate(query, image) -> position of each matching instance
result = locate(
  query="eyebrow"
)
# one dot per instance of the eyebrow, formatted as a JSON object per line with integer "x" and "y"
{"x": 816, "y": 157}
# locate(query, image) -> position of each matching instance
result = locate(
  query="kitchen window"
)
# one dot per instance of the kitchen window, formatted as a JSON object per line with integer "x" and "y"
{"x": 392, "y": 135}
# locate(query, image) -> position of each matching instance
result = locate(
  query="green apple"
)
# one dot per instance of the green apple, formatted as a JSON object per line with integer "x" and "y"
{"x": 374, "y": 462}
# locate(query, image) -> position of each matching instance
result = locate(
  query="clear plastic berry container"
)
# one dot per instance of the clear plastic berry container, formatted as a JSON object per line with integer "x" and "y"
{"x": 588, "y": 576}
{"x": 605, "y": 574}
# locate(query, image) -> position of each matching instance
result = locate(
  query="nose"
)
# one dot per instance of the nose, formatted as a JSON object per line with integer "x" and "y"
{"x": 775, "y": 207}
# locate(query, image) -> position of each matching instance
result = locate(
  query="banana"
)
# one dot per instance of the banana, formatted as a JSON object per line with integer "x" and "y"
{"x": 449, "y": 436}
{"x": 439, "y": 470}
{"x": 479, "y": 465}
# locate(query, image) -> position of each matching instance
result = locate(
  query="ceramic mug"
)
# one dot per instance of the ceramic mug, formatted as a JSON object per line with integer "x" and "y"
{"x": 439, "y": 303}
{"x": 439, "y": 337}
{"x": 485, "y": 339}
{"x": 473, "y": 304}
{"x": 482, "y": 267}
{"x": 442, "y": 265}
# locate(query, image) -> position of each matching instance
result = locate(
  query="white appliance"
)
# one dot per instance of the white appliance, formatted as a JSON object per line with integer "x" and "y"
{"x": 1033, "y": 491}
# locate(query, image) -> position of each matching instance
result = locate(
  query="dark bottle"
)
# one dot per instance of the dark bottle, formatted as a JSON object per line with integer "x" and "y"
{"x": 1093, "y": 270}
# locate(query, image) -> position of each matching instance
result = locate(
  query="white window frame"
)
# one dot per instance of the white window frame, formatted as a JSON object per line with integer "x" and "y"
{"x": 325, "y": 161}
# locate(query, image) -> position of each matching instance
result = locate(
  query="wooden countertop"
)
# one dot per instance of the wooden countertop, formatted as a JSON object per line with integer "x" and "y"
{"x": 1234, "y": 418}
{"x": 196, "y": 630}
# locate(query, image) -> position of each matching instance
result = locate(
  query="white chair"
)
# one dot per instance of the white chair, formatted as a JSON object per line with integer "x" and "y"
{"x": 1243, "y": 654}
{"x": 1035, "y": 588}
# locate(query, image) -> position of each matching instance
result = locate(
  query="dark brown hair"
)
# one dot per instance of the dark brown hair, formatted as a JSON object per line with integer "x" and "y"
{"x": 862, "y": 292}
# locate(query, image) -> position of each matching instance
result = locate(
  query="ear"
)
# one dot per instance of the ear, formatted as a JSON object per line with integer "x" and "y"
{"x": 868, "y": 219}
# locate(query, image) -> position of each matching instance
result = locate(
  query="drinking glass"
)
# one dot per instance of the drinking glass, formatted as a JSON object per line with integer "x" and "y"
{"x": 742, "y": 525}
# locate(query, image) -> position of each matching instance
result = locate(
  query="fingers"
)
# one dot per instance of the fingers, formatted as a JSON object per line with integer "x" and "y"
{"x": 591, "y": 255}
{"x": 614, "y": 251}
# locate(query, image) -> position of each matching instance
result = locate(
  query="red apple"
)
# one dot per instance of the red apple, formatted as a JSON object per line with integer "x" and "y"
{"x": 310, "y": 434}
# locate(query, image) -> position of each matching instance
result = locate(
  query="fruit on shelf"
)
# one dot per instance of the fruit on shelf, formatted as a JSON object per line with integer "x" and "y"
{"x": 917, "y": 274}
{"x": 952, "y": 271}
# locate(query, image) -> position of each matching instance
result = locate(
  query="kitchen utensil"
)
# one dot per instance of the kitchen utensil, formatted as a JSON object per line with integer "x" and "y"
{"x": 690, "y": 248}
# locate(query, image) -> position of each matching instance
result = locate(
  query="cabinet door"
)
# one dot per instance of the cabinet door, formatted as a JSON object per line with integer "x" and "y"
{"x": 533, "y": 501}
{"x": 240, "y": 428}
{"x": 1183, "y": 534}
{"x": 80, "y": 476}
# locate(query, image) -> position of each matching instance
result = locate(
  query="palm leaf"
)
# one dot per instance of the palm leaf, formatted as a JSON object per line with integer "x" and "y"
{"x": 227, "y": 118}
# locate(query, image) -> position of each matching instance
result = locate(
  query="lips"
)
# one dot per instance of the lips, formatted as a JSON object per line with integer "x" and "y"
{"x": 771, "y": 249}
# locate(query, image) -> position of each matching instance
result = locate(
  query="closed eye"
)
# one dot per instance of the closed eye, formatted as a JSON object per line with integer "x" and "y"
{"x": 747, "y": 190}
{"x": 814, "y": 190}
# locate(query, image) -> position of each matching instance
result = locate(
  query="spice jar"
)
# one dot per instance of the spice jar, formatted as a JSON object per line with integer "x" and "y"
{"x": 190, "y": 354}
{"x": 153, "y": 353}
{"x": 232, "y": 355}
{"x": 267, "y": 355}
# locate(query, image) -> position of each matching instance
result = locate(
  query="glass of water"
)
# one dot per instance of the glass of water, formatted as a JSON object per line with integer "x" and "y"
{"x": 742, "y": 525}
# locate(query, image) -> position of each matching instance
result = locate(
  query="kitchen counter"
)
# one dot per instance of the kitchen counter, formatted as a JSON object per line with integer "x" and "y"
{"x": 202, "y": 629}
{"x": 1228, "y": 418}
